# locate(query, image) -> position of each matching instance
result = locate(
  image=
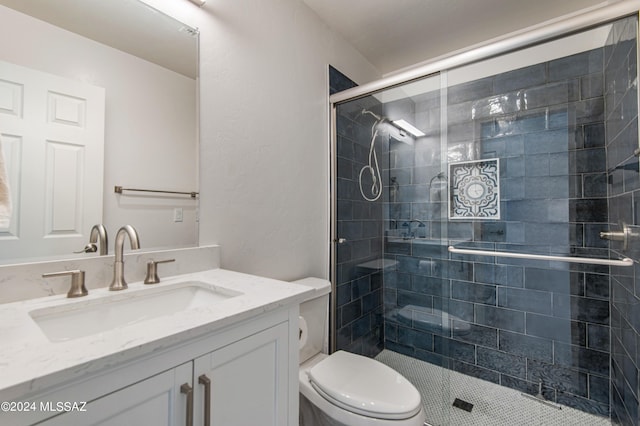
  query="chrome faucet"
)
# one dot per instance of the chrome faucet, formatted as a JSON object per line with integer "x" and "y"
{"x": 100, "y": 231}
{"x": 119, "y": 282}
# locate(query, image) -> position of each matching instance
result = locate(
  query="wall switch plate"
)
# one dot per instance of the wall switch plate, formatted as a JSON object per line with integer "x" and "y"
{"x": 177, "y": 214}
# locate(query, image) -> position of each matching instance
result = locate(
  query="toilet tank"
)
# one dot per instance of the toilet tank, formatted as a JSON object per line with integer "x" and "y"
{"x": 314, "y": 318}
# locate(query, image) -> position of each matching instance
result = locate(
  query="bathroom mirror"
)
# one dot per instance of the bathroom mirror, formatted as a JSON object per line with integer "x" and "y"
{"x": 145, "y": 65}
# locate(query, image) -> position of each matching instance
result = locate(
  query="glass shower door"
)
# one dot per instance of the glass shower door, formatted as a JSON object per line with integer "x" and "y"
{"x": 390, "y": 220}
{"x": 533, "y": 151}
{"x": 529, "y": 153}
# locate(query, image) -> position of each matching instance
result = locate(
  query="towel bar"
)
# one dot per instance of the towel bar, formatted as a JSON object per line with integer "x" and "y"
{"x": 591, "y": 261}
{"x": 118, "y": 189}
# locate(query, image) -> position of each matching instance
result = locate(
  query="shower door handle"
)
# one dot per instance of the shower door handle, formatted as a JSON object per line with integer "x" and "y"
{"x": 340, "y": 240}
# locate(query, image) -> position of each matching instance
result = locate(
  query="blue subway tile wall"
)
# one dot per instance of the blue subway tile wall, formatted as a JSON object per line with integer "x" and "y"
{"x": 359, "y": 285}
{"x": 620, "y": 95}
{"x": 525, "y": 324}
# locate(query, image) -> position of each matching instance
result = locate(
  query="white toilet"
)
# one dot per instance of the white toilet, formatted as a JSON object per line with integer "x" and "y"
{"x": 344, "y": 388}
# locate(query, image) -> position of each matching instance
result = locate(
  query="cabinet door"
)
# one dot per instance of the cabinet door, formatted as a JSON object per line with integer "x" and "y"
{"x": 155, "y": 401}
{"x": 248, "y": 381}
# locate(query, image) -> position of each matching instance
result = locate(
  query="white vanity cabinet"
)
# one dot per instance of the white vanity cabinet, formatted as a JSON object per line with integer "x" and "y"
{"x": 245, "y": 384}
{"x": 244, "y": 375}
{"x": 154, "y": 401}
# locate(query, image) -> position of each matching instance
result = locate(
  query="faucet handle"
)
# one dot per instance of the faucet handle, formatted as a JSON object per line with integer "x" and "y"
{"x": 77, "y": 288}
{"x": 89, "y": 248}
{"x": 152, "y": 270}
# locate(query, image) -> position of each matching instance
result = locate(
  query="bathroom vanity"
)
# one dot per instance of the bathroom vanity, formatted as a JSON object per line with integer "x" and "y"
{"x": 214, "y": 347}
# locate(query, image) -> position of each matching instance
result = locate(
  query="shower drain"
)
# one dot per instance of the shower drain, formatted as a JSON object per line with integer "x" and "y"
{"x": 463, "y": 405}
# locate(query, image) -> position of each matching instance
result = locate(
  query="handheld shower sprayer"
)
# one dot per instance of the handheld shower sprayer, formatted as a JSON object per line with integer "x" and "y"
{"x": 372, "y": 167}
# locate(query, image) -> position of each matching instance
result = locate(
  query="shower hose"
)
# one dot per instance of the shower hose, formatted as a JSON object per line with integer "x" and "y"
{"x": 374, "y": 169}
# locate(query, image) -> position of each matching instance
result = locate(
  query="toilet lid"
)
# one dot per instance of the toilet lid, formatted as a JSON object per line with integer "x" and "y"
{"x": 365, "y": 386}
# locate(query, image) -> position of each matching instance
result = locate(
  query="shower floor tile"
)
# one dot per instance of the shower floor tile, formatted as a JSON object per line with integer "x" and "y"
{"x": 493, "y": 405}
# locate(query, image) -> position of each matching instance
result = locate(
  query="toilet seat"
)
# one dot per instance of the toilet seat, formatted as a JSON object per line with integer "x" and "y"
{"x": 365, "y": 386}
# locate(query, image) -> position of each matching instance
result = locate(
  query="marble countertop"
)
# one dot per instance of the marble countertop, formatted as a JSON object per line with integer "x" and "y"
{"x": 30, "y": 362}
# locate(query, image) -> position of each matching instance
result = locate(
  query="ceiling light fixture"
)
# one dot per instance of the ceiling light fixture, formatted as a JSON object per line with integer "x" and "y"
{"x": 409, "y": 128}
{"x": 198, "y": 2}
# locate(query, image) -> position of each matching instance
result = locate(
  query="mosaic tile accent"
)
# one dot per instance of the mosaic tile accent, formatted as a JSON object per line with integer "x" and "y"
{"x": 475, "y": 189}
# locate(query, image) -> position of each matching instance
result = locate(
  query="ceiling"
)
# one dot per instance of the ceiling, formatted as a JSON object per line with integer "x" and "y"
{"x": 127, "y": 25}
{"x": 390, "y": 34}
{"x": 394, "y": 34}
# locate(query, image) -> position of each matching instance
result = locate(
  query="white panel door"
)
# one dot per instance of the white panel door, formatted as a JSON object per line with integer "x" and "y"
{"x": 156, "y": 401}
{"x": 52, "y": 133}
{"x": 249, "y": 381}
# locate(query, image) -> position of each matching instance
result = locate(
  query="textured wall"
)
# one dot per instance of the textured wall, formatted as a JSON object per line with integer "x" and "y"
{"x": 264, "y": 131}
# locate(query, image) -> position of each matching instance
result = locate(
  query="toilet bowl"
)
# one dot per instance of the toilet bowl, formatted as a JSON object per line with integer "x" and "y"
{"x": 345, "y": 388}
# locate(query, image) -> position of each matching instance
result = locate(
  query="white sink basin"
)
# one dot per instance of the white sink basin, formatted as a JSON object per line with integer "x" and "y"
{"x": 78, "y": 319}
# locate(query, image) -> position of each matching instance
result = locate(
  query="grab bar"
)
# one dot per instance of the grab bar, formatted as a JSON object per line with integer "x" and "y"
{"x": 118, "y": 190}
{"x": 611, "y": 262}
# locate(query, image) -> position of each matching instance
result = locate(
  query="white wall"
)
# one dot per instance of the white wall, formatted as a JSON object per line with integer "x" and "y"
{"x": 264, "y": 131}
{"x": 139, "y": 152}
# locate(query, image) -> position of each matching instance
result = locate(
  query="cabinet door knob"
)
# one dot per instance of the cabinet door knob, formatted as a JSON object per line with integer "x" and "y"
{"x": 188, "y": 390}
{"x": 204, "y": 380}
